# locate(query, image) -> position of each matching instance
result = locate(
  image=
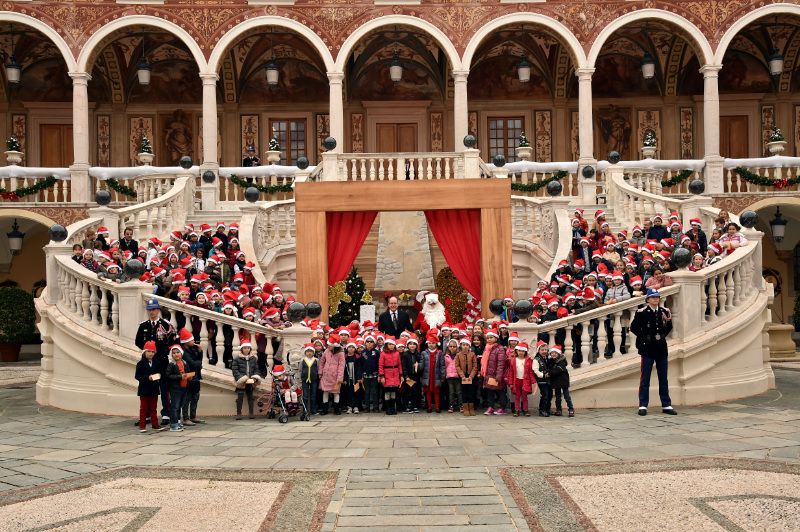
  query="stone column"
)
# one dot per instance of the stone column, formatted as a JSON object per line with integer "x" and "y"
{"x": 209, "y": 192}
{"x": 336, "y": 109}
{"x": 79, "y": 171}
{"x": 585, "y": 130}
{"x": 460, "y": 108}
{"x": 714, "y": 173}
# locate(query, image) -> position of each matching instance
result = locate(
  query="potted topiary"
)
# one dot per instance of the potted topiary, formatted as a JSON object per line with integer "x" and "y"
{"x": 145, "y": 151}
{"x": 17, "y": 322}
{"x": 649, "y": 144}
{"x": 523, "y": 149}
{"x": 13, "y": 150}
{"x": 274, "y": 151}
{"x": 777, "y": 143}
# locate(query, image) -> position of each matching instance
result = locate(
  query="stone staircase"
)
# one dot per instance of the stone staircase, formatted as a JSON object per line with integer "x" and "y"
{"x": 588, "y": 213}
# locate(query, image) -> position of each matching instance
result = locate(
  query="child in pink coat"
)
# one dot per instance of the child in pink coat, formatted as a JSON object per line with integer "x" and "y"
{"x": 331, "y": 374}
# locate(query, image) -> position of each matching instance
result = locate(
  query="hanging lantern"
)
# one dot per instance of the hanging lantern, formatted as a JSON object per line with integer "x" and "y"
{"x": 648, "y": 66}
{"x": 524, "y": 71}
{"x": 13, "y": 70}
{"x": 778, "y": 225}
{"x": 775, "y": 62}
{"x": 273, "y": 73}
{"x": 143, "y": 70}
{"x": 15, "y": 237}
{"x": 396, "y": 68}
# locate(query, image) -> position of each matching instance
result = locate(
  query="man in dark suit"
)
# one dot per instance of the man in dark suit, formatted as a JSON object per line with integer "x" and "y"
{"x": 394, "y": 321}
{"x": 128, "y": 243}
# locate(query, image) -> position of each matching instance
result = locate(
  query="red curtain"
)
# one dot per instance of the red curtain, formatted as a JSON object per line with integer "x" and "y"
{"x": 458, "y": 233}
{"x": 347, "y": 232}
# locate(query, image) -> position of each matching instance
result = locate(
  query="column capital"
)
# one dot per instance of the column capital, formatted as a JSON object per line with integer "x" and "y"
{"x": 335, "y": 77}
{"x": 584, "y": 74}
{"x": 460, "y": 76}
{"x": 80, "y": 78}
{"x": 710, "y": 71}
{"x": 209, "y": 78}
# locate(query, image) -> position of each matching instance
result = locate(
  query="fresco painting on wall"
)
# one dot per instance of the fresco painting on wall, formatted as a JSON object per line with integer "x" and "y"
{"x": 437, "y": 140}
{"x": 249, "y": 133}
{"x": 140, "y": 125}
{"x": 103, "y": 140}
{"x": 47, "y": 81}
{"x": 620, "y": 76}
{"x": 543, "y": 125}
{"x": 573, "y": 136}
{"x": 767, "y": 123}
{"x": 472, "y": 123}
{"x": 613, "y": 131}
{"x": 357, "y": 132}
{"x": 323, "y": 130}
{"x": 687, "y": 133}
{"x": 19, "y": 128}
{"x": 178, "y": 137}
{"x": 298, "y": 82}
{"x": 178, "y": 84}
{"x": 497, "y": 77}
{"x": 743, "y": 73}
{"x": 375, "y": 84}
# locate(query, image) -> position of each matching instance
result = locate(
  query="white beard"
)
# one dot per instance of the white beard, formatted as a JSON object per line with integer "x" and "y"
{"x": 434, "y": 316}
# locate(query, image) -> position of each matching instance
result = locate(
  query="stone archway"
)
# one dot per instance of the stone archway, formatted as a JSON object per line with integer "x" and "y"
{"x": 26, "y": 269}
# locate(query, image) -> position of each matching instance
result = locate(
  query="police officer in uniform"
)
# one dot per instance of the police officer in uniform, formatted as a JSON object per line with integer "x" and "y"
{"x": 651, "y": 325}
{"x": 162, "y": 332}
{"x": 251, "y": 159}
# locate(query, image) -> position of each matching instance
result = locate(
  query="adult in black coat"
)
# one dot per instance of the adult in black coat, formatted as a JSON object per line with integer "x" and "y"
{"x": 651, "y": 325}
{"x": 127, "y": 243}
{"x": 162, "y": 332}
{"x": 394, "y": 321}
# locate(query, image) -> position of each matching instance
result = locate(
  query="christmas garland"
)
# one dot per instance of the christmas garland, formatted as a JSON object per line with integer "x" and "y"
{"x": 533, "y": 187}
{"x": 762, "y": 181}
{"x": 680, "y": 177}
{"x": 119, "y": 188}
{"x": 46, "y": 183}
{"x": 266, "y": 189}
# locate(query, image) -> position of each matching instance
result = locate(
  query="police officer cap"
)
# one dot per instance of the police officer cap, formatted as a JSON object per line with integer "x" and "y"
{"x": 152, "y": 304}
{"x": 652, "y": 292}
{"x": 251, "y": 148}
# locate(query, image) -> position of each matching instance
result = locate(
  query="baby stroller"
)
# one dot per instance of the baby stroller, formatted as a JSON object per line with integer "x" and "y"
{"x": 284, "y": 398}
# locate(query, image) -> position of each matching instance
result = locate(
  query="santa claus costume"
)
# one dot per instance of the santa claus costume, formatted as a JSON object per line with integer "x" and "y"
{"x": 432, "y": 315}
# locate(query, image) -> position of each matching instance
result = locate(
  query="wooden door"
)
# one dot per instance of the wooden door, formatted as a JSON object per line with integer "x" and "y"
{"x": 393, "y": 138}
{"x": 733, "y": 137}
{"x": 55, "y": 141}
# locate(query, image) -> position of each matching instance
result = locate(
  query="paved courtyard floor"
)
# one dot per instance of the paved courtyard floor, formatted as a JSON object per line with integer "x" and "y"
{"x": 599, "y": 470}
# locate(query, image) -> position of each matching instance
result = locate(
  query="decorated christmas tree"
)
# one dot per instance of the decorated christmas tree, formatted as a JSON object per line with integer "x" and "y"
{"x": 144, "y": 145}
{"x": 345, "y": 307}
{"x": 273, "y": 144}
{"x": 12, "y": 144}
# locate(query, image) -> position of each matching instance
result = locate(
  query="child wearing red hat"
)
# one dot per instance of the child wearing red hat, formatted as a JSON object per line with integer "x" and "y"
{"x": 539, "y": 367}
{"x": 558, "y": 375}
{"x": 433, "y": 372}
{"x": 521, "y": 379}
{"x": 389, "y": 374}
{"x": 147, "y": 373}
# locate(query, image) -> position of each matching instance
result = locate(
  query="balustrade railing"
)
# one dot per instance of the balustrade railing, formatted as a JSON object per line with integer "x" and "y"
{"x": 529, "y": 174}
{"x": 399, "y": 166}
{"x": 261, "y": 177}
{"x": 777, "y": 168}
{"x": 158, "y": 216}
{"x": 543, "y": 226}
{"x": 14, "y": 178}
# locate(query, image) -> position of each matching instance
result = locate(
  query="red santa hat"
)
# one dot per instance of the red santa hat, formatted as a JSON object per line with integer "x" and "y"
{"x": 522, "y": 347}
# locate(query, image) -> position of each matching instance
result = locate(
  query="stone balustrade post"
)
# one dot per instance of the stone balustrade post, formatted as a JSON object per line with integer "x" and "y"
{"x": 294, "y": 338}
{"x": 110, "y": 220}
{"x": 686, "y": 311}
{"x": 209, "y": 192}
{"x": 131, "y": 308}
{"x": 330, "y": 166}
{"x": 301, "y": 176}
{"x": 500, "y": 172}
{"x": 52, "y": 250}
{"x": 692, "y": 208}
{"x": 247, "y": 226}
{"x": 472, "y": 163}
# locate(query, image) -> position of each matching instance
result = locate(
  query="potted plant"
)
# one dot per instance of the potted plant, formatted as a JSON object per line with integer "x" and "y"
{"x": 274, "y": 151}
{"x": 145, "y": 151}
{"x": 17, "y": 322}
{"x": 649, "y": 144}
{"x": 13, "y": 150}
{"x": 777, "y": 143}
{"x": 524, "y": 149}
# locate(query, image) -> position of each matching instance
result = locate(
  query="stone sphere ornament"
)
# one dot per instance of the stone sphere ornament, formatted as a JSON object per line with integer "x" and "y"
{"x": 209, "y": 176}
{"x": 748, "y": 219}
{"x": 588, "y": 172}
{"x": 134, "y": 268}
{"x": 102, "y": 197}
{"x": 613, "y": 157}
{"x": 470, "y": 141}
{"x": 296, "y": 311}
{"x": 554, "y": 187}
{"x": 329, "y": 143}
{"x": 496, "y": 306}
{"x": 697, "y": 186}
{"x": 313, "y": 309}
{"x": 251, "y": 194}
{"x": 57, "y": 233}
{"x": 302, "y": 162}
{"x": 681, "y": 258}
{"x": 499, "y": 160}
{"x": 185, "y": 162}
{"x": 523, "y": 309}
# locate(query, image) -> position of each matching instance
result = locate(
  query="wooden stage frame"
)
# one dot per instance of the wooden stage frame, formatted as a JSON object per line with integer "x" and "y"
{"x": 313, "y": 200}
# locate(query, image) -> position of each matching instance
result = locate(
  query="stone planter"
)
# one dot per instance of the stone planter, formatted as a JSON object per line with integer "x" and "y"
{"x": 648, "y": 152}
{"x": 9, "y": 352}
{"x": 524, "y": 153}
{"x": 775, "y": 147}
{"x": 781, "y": 345}
{"x": 145, "y": 158}
{"x": 14, "y": 157}
{"x": 273, "y": 156}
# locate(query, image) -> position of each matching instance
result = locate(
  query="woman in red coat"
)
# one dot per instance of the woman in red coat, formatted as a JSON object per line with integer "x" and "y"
{"x": 520, "y": 378}
{"x": 494, "y": 377}
{"x": 389, "y": 372}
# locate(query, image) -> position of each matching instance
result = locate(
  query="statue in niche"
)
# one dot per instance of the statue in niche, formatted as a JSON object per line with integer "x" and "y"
{"x": 177, "y": 137}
